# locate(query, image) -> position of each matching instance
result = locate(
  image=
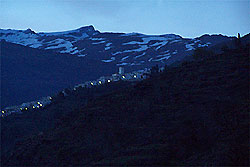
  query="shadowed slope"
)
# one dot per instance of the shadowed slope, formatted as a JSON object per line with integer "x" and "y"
{"x": 195, "y": 114}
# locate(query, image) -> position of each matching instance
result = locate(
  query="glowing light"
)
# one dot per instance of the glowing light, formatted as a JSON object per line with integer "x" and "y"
{"x": 108, "y": 80}
{"x": 20, "y": 108}
{"x": 134, "y": 76}
{"x": 50, "y": 98}
{"x": 3, "y": 112}
{"x": 37, "y": 106}
{"x": 41, "y": 105}
{"x": 92, "y": 83}
{"x": 123, "y": 76}
{"x": 38, "y": 102}
{"x": 100, "y": 82}
{"x": 26, "y": 108}
{"x": 33, "y": 107}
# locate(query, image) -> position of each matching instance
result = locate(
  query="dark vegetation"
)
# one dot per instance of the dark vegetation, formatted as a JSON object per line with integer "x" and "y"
{"x": 196, "y": 114}
{"x": 34, "y": 121}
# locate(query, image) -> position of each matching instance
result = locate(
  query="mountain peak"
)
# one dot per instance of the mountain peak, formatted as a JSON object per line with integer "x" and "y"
{"x": 87, "y": 28}
{"x": 29, "y": 31}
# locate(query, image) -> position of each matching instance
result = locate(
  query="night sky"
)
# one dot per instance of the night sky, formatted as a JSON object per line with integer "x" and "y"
{"x": 188, "y": 18}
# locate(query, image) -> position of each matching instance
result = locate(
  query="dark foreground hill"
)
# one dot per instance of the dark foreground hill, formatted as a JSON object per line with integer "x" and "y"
{"x": 192, "y": 115}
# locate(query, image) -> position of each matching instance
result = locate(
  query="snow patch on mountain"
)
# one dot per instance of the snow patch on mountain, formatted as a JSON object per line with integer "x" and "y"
{"x": 141, "y": 48}
{"x": 122, "y": 64}
{"x": 196, "y": 40}
{"x": 175, "y": 41}
{"x": 154, "y": 38}
{"x": 20, "y": 37}
{"x": 108, "y": 46}
{"x": 108, "y": 61}
{"x": 116, "y": 53}
{"x": 56, "y": 41}
{"x": 36, "y": 45}
{"x": 165, "y": 57}
{"x": 97, "y": 39}
{"x": 77, "y": 34}
{"x": 75, "y": 52}
{"x": 82, "y": 55}
{"x": 95, "y": 43}
{"x": 63, "y": 44}
{"x": 140, "y": 55}
{"x": 68, "y": 49}
{"x": 161, "y": 45}
{"x": 156, "y": 44}
{"x": 131, "y": 34}
{"x": 189, "y": 46}
{"x": 175, "y": 52}
{"x": 133, "y": 43}
{"x": 124, "y": 58}
{"x": 146, "y": 40}
{"x": 204, "y": 45}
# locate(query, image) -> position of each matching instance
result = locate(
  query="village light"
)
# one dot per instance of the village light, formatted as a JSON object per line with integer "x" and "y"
{"x": 3, "y": 111}
{"x": 134, "y": 76}
{"x": 26, "y": 108}
{"x": 33, "y": 107}
{"x": 38, "y": 102}
{"x": 20, "y": 108}
{"x": 41, "y": 105}
{"x": 37, "y": 106}
{"x": 50, "y": 98}
{"x": 92, "y": 83}
{"x": 100, "y": 82}
{"x": 123, "y": 76}
{"x": 108, "y": 80}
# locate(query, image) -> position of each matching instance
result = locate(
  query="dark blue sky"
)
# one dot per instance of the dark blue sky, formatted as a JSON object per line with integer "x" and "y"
{"x": 188, "y": 18}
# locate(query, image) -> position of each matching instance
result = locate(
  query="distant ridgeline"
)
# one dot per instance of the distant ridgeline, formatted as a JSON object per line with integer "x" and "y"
{"x": 34, "y": 105}
{"x": 127, "y": 49}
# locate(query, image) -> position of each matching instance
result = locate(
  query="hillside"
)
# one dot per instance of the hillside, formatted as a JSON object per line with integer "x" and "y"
{"x": 34, "y": 65}
{"x": 193, "y": 115}
{"x": 33, "y": 121}
{"x": 28, "y": 73}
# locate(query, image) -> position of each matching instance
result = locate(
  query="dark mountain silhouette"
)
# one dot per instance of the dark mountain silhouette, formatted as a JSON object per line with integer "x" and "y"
{"x": 195, "y": 114}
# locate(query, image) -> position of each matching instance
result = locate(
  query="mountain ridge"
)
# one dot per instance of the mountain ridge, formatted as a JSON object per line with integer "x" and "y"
{"x": 141, "y": 49}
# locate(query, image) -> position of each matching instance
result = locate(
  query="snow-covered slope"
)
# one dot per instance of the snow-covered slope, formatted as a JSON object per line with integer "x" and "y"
{"x": 131, "y": 49}
{"x": 61, "y": 41}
